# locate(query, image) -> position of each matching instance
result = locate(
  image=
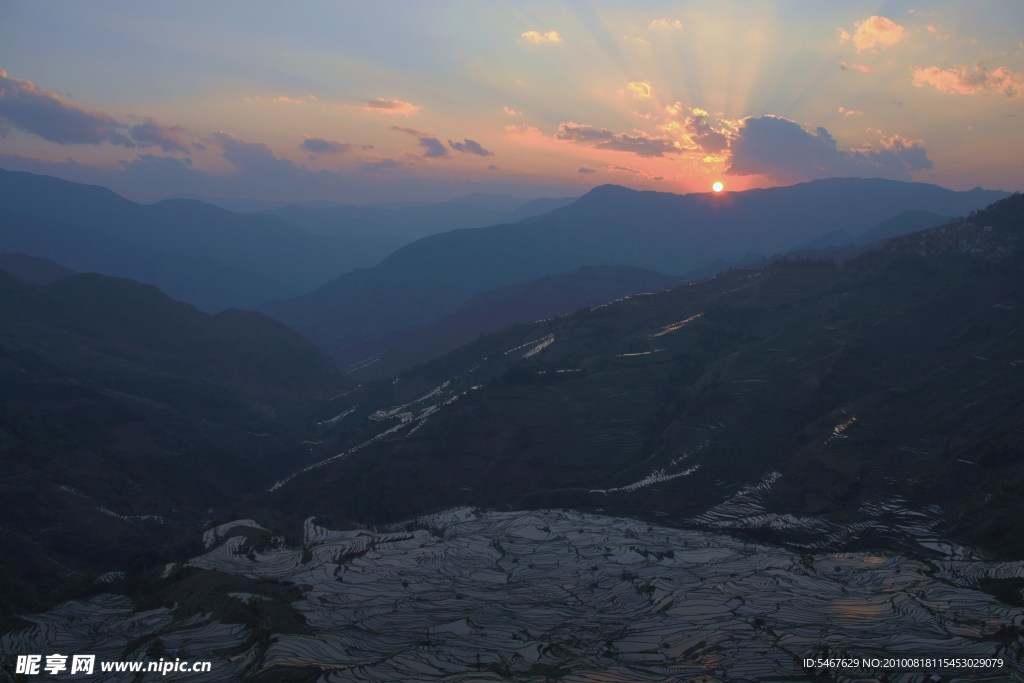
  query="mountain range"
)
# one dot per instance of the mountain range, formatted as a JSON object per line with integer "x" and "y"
{"x": 362, "y": 314}
{"x": 128, "y": 419}
{"x": 209, "y": 256}
{"x": 840, "y": 388}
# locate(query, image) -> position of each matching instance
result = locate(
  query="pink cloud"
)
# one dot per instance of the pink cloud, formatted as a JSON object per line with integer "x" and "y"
{"x": 963, "y": 80}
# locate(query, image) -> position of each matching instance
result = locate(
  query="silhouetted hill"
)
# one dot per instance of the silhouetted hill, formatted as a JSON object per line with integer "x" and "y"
{"x": 201, "y": 253}
{"x": 395, "y": 226}
{"x": 125, "y": 415}
{"x": 829, "y": 391}
{"x": 906, "y": 222}
{"x": 36, "y": 271}
{"x": 544, "y": 297}
{"x": 677, "y": 234}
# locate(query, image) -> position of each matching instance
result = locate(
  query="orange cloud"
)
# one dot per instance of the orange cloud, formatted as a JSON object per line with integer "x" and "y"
{"x": 388, "y": 105}
{"x": 663, "y": 23}
{"x": 961, "y": 80}
{"x": 698, "y": 131}
{"x": 875, "y": 33}
{"x": 538, "y": 38}
{"x": 641, "y": 89}
{"x": 850, "y": 112}
{"x": 512, "y": 112}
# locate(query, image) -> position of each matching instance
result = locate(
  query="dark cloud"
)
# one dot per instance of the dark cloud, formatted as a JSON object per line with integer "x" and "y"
{"x": 25, "y": 106}
{"x": 151, "y": 133}
{"x": 434, "y": 148}
{"x": 468, "y": 146}
{"x": 704, "y": 135}
{"x": 581, "y": 132}
{"x": 584, "y": 169}
{"x": 382, "y": 165}
{"x": 492, "y": 167}
{"x": 602, "y": 138}
{"x": 251, "y": 157}
{"x": 176, "y": 166}
{"x": 321, "y": 146}
{"x": 388, "y": 105}
{"x": 784, "y": 150}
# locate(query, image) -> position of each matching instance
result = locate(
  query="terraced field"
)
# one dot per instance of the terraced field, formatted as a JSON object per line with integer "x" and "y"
{"x": 466, "y": 595}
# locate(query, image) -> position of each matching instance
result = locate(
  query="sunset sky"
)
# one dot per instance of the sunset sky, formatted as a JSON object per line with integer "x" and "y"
{"x": 413, "y": 101}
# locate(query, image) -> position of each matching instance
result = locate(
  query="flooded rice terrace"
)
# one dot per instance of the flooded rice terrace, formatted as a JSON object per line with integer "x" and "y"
{"x": 466, "y": 595}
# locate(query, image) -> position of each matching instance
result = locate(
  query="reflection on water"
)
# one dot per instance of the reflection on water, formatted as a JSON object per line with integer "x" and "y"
{"x": 471, "y": 596}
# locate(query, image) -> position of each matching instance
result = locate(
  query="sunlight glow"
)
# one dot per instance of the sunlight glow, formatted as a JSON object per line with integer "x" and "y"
{"x": 718, "y": 186}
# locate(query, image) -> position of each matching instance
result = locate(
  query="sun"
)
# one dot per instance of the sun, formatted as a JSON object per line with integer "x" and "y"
{"x": 718, "y": 186}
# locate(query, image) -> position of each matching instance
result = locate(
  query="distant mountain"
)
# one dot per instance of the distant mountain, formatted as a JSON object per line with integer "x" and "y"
{"x": 544, "y": 297}
{"x": 125, "y": 416}
{"x": 198, "y": 252}
{"x": 901, "y": 224}
{"x": 677, "y": 234}
{"x": 36, "y": 271}
{"x": 400, "y": 225}
{"x": 784, "y": 403}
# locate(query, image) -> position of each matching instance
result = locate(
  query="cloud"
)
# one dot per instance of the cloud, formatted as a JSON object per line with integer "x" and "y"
{"x": 859, "y": 68}
{"x": 29, "y": 108}
{"x": 492, "y": 167}
{"x": 434, "y": 148}
{"x": 640, "y": 144}
{"x": 641, "y": 89}
{"x": 168, "y": 167}
{"x": 255, "y": 162}
{"x": 849, "y": 112}
{"x": 538, "y": 38}
{"x": 468, "y": 146}
{"x": 381, "y": 165}
{"x": 875, "y": 33}
{"x": 151, "y": 133}
{"x": 25, "y": 106}
{"x": 280, "y": 99}
{"x": 321, "y": 146}
{"x": 782, "y": 149}
{"x": 388, "y": 105}
{"x": 663, "y": 24}
{"x": 962, "y": 80}
{"x": 698, "y": 130}
{"x": 585, "y": 170}
{"x": 512, "y": 112}
{"x": 702, "y": 133}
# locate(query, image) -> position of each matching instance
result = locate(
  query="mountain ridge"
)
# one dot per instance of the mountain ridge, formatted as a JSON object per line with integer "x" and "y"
{"x": 611, "y": 225}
